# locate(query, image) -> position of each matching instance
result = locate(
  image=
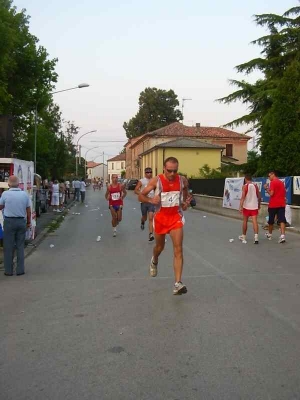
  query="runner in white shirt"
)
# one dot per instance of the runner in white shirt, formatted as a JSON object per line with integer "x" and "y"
{"x": 249, "y": 206}
{"x": 147, "y": 209}
{"x": 82, "y": 190}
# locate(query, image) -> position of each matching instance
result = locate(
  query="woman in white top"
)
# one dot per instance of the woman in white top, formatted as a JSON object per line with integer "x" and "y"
{"x": 82, "y": 190}
{"x": 55, "y": 196}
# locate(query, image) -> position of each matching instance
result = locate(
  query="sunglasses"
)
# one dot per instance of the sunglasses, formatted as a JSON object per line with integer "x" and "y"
{"x": 172, "y": 170}
{"x": 148, "y": 172}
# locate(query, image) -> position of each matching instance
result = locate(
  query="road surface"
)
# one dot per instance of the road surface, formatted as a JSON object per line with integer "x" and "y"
{"x": 87, "y": 322}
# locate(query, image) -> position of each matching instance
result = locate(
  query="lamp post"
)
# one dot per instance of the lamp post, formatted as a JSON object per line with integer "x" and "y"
{"x": 80, "y": 86}
{"x": 85, "y": 161}
{"x": 77, "y": 149}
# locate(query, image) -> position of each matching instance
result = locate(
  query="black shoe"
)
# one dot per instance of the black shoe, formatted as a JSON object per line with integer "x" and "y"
{"x": 151, "y": 237}
{"x": 6, "y": 274}
{"x": 22, "y": 273}
{"x": 142, "y": 225}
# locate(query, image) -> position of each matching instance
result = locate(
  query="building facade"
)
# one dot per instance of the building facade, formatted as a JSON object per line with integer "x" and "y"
{"x": 116, "y": 165}
{"x": 233, "y": 144}
{"x": 95, "y": 170}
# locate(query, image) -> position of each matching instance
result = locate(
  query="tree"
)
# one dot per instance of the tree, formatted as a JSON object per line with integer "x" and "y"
{"x": 280, "y": 49}
{"x": 157, "y": 108}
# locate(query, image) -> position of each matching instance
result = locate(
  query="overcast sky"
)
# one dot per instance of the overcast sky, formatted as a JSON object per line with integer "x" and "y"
{"x": 121, "y": 47}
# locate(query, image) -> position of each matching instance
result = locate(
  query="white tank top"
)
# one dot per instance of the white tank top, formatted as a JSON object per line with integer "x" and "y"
{"x": 55, "y": 188}
{"x": 145, "y": 182}
{"x": 251, "y": 200}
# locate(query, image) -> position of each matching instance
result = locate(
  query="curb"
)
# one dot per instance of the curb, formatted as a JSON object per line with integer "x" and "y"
{"x": 31, "y": 247}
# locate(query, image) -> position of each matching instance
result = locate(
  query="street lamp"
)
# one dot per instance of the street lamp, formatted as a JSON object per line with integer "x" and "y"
{"x": 80, "y": 86}
{"x": 85, "y": 161}
{"x": 183, "y": 100}
{"x": 77, "y": 147}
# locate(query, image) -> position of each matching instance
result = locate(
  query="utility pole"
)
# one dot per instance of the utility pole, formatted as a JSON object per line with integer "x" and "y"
{"x": 183, "y": 100}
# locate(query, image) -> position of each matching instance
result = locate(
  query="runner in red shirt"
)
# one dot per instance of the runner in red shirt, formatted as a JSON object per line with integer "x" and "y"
{"x": 171, "y": 197}
{"x": 115, "y": 194}
{"x": 277, "y": 204}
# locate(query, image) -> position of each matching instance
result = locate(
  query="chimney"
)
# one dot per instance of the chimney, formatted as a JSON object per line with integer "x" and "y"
{"x": 198, "y": 125}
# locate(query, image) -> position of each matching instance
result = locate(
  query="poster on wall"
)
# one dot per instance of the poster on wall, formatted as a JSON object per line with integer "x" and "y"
{"x": 24, "y": 170}
{"x": 296, "y": 185}
{"x": 265, "y": 196}
{"x": 233, "y": 193}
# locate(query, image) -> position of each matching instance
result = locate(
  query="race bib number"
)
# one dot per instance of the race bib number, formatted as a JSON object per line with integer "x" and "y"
{"x": 170, "y": 199}
{"x": 115, "y": 196}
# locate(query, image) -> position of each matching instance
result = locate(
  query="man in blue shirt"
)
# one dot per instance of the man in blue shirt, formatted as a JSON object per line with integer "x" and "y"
{"x": 16, "y": 207}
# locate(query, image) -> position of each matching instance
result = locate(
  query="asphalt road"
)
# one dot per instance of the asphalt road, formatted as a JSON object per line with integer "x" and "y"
{"x": 87, "y": 322}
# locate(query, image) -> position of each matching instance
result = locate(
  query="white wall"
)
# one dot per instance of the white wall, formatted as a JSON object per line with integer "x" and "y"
{"x": 115, "y": 167}
{"x": 97, "y": 172}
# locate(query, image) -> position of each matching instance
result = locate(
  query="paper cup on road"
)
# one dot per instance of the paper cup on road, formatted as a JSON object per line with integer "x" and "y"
{"x": 51, "y": 245}
{"x": 98, "y": 238}
{"x": 231, "y": 240}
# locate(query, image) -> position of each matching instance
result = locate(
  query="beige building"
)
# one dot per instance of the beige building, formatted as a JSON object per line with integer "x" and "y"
{"x": 116, "y": 165}
{"x": 95, "y": 170}
{"x": 234, "y": 144}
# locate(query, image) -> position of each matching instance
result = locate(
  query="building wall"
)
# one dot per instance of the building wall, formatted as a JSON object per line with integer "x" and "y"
{"x": 116, "y": 167}
{"x": 239, "y": 148}
{"x": 97, "y": 172}
{"x": 190, "y": 160}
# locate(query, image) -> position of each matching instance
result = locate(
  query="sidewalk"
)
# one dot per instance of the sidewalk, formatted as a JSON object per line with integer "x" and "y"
{"x": 43, "y": 224}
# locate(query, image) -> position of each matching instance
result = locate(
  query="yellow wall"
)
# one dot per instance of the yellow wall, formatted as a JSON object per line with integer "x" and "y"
{"x": 190, "y": 160}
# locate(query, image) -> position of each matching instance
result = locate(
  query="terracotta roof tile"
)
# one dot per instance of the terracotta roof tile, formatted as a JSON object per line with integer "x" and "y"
{"x": 92, "y": 164}
{"x": 119, "y": 157}
{"x": 177, "y": 129}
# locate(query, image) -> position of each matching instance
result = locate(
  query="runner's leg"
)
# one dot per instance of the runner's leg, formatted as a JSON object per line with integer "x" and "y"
{"x": 119, "y": 215}
{"x": 177, "y": 239}
{"x": 114, "y": 217}
{"x": 159, "y": 246}
{"x": 255, "y": 224}
{"x": 245, "y": 223}
{"x": 150, "y": 219}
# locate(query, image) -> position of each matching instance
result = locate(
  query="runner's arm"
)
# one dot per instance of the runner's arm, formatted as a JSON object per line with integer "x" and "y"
{"x": 143, "y": 196}
{"x": 243, "y": 197}
{"x": 138, "y": 188}
{"x": 107, "y": 193}
{"x": 185, "y": 194}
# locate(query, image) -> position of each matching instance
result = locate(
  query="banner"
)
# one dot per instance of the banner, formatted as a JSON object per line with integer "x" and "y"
{"x": 296, "y": 185}
{"x": 265, "y": 196}
{"x": 233, "y": 193}
{"x": 24, "y": 170}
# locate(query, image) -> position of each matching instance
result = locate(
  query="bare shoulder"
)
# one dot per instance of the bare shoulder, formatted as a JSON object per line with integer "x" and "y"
{"x": 184, "y": 181}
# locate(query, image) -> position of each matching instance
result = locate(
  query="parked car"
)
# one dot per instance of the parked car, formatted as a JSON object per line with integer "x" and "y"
{"x": 131, "y": 184}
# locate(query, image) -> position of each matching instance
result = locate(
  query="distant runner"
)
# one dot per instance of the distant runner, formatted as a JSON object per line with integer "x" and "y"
{"x": 249, "y": 206}
{"x": 147, "y": 209}
{"x": 115, "y": 194}
{"x": 171, "y": 197}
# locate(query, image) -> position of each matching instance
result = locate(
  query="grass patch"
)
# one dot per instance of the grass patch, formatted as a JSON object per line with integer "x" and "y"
{"x": 55, "y": 224}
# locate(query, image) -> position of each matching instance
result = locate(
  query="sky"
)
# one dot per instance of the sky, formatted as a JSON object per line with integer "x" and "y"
{"x": 121, "y": 47}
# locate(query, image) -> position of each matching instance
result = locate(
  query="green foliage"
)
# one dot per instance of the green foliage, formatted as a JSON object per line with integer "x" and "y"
{"x": 27, "y": 78}
{"x": 123, "y": 174}
{"x": 273, "y": 100}
{"x": 157, "y": 108}
{"x": 210, "y": 173}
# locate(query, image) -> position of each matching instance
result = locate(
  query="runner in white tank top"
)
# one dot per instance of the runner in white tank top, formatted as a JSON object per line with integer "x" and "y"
{"x": 147, "y": 209}
{"x": 249, "y": 206}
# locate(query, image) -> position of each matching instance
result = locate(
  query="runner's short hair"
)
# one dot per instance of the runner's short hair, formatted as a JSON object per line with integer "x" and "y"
{"x": 172, "y": 160}
{"x": 248, "y": 177}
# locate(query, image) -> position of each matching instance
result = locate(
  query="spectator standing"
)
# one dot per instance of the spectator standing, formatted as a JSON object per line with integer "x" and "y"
{"x": 62, "y": 194}
{"x": 55, "y": 196}
{"x": 67, "y": 183}
{"x": 277, "y": 203}
{"x": 77, "y": 187}
{"x": 82, "y": 190}
{"x": 17, "y": 216}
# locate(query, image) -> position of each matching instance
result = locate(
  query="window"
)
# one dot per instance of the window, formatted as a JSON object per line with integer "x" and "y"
{"x": 112, "y": 165}
{"x": 122, "y": 165}
{"x": 229, "y": 148}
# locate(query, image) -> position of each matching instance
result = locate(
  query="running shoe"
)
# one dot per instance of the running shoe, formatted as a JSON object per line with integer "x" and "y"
{"x": 268, "y": 236}
{"x": 153, "y": 268}
{"x": 179, "y": 288}
{"x": 151, "y": 237}
{"x": 242, "y": 238}
{"x": 256, "y": 239}
{"x": 114, "y": 234}
{"x": 142, "y": 225}
{"x": 281, "y": 239}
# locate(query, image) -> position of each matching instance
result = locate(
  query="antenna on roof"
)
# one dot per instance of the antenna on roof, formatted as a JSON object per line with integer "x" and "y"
{"x": 183, "y": 100}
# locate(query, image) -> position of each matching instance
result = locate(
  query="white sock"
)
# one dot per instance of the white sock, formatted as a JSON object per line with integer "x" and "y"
{"x": 115, "y": 229}
{"x": 256, "y": 235}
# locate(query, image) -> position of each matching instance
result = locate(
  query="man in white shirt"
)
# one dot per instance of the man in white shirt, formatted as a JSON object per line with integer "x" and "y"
{"x": 82, "y": 190}
{"x": 77, "y": 187}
